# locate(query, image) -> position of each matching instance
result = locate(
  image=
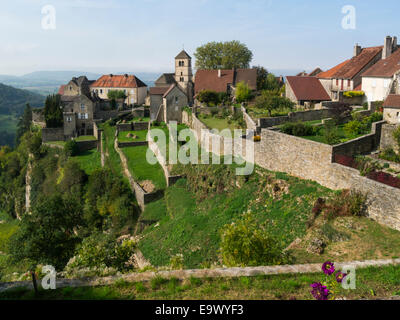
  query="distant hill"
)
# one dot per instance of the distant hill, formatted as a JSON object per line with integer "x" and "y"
{"x": 13, "y": 100}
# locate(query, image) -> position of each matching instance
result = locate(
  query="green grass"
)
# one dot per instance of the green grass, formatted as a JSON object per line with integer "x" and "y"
{"x": 59, "y": 143}
{"x": 85, "y": 138}
{"x": 141, "y": 136}
{"x": 218, "y": 123}
{"x": 192, "y": 223}
{"x": 371, "y": 283}
{"x": 342, "y": 136}
{"x": 137, "y": 119}
{"x": 7, "y": 229}
{"x": 89, "y": 160}
{"x": 113, "y": 161}
{"x": 142, "y": 170}
{"x": 256, "y": 113}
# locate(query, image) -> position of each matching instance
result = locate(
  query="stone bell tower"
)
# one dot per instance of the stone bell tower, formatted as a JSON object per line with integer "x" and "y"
{"x": 184, "y": 73}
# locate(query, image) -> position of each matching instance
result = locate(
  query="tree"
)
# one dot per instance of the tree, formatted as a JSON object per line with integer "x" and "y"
{"x": 223, "y": 55}
{"x": 116, "y": 95}
{"x": 245, "y": 243}
{"x": 47, "y": 235}
{"x": 243, "y": 92}
{"x": 53, "y": 113}
{"x": 209, "y": 97}
{"x": 24, "y": 123}
{"x": 272, "y": 102}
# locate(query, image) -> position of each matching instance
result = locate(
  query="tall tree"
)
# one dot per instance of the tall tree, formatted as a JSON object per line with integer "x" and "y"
{"x": 24, "y": 123}
{"x": 223, "y": 55}
{"x": 53, "y": 114}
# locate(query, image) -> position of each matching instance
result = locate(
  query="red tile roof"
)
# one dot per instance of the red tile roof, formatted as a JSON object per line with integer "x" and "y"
{"x": 356, "y": 64}
{"x": 209, "y": 80}
{"x": 315, "y": 72}
{"x": 61, "y": 90}
{"x": 118, "y": 81}
{"x": 392, "y": 101}
{"x": 158, "y": 90}
{"x": 329, "y": 73}
{"x": 308, "y": 88}
{"x": 385, "y": 68}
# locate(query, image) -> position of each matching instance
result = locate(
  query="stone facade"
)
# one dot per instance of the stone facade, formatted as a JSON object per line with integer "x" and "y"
{"x": 387, "y": 139}
{"x": 173, "y": 102}
{"x": 391, "y": 115}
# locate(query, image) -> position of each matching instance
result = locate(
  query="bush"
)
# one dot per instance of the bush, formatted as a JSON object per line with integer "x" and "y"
{"x": 390, "y": 155}
{"x": 244, "y": 243}
{"x": 331, "y": 135}
{"x": 346, "y": 203}
{"x": 209, "y": 97}
{"x": 71, "y": 148}
{"x": 353, "y": 128}
{"x": 353, "y": 94}
{"x": 243, "y": 92}
{"x": 298, "y": 129}
{"x": 103, "y": 251}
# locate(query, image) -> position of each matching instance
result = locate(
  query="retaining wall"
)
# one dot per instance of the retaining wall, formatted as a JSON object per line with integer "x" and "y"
{"x": 387, "y": 139}
{"x": 53, "y": 134}
{"x": 133, "y": 126}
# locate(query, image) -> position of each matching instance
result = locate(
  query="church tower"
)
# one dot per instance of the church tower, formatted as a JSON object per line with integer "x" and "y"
{"x": 184, "y": 73}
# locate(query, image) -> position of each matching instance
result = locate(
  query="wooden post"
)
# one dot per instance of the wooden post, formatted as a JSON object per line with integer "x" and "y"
{"x": 34, "y": 282}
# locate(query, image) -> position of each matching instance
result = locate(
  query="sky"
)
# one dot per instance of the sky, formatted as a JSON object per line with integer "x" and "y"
{"x": 145, "y": 35}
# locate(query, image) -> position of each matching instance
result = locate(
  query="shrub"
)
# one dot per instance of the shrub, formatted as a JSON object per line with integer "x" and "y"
{"x": 346, "y": 203}
{"x": 298, "y": 129}
{"x": 71, "y": 148}
{"x": 103, "y": 251}
{"x": 176, "y": 262}
{"x": 243, "y": 92}
{"x": 353, "y": 94}
{"x": 244, "y": 243}
{"x": 331, "y": 135}
{"x": 208, "y": 97}
{"x": 390, "y": 155}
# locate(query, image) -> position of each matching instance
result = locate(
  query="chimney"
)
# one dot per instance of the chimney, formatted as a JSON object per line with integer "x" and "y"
{"x": 126, "y": 75}
{"x": 388, "y": 47}
{"x": 219, "y": 73}
{"x": 357, "y": 50}
{"x": 111, "y": 75}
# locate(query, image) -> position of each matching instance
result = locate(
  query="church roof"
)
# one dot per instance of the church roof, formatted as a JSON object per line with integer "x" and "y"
{"x": 166, "y": 79}
{"x": 183, "y": 55}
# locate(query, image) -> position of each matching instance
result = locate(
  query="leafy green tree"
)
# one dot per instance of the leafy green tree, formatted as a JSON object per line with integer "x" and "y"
{"x": 24, "y": 123}
{"x": 47, "y": 236}
{"x": 116, "y": 95}
{"x": 53, "y": 113}
{"x": 209, "y": 97}
{"x": 71, "y": 148}
{"x": 245, "y": 243}
{"x": 271, "y": 83}
{"x": 243, "y": 92}
{"x": 223, "y": 55}
{"x": 262, "y": 75}
{"x": 271, "y": 102}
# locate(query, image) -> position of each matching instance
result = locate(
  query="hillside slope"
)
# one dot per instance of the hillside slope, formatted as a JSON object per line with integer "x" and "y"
{"x": 13, "y": 100}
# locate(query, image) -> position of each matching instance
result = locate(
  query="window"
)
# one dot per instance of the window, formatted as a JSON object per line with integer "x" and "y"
{"x": 69, "y": 119}
{"x": 349, "y": 83}
{"x": 337, "y": 82}
{"x": 86, "y": 115}
{"x": 82, "y": 107}
{"x": 385, "y": 83}
{"x": 374, "y": 83}
{"x": 176, "y": 100}
{"x": 182, "y": 79}
{"x": 101, "y": 90}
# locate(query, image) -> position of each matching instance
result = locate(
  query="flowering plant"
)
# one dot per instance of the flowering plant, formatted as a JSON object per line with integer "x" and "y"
{"x": 328, "y": 289}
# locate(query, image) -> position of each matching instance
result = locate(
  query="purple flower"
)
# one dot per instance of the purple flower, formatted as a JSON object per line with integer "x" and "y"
{"x": 340, "y": 276}
{"x": 328, "y": 268}
{"x": 319, "y": 291}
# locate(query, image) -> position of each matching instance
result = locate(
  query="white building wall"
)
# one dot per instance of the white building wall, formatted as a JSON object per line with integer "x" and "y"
{"x": 376, "y": 89}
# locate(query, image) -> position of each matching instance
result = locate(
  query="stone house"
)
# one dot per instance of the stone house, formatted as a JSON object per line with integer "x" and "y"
{"x": 348, "y": 77}
{"x": 76, "y": 87}
{"x": 391, "y": 109}
{"x": 382, "y": 78}
{"x": 135, "y": 90}
{"x": 169, "y": 83}
{"x": 305, "y": 90}
{"x": 326, "y": 77}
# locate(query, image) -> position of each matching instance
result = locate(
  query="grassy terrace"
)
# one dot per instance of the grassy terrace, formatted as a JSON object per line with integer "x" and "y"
{"x": 85, "y": 138}
{"x": 113, "y": 160}
{"x": 141, "y": 170}
{"x": 123, "y": 136}
{"x": 341, "y": 135}
{"x": 144, "y": 119}
{"x": 219, "y": 123}
{"x": 257, "y": 113}
{"x": 371, "y": 283}
{"x": 89, "y": 160}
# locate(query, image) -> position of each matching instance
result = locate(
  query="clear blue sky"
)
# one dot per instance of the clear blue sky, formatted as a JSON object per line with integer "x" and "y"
{"x": 145, "y": 35}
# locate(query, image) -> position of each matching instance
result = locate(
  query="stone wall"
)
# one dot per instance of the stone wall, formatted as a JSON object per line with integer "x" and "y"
{"x": 311, "y": 160}
{"x": 132, "y": 144}
{"x": 142, "y": 197}
{"x": 87, "y": 145}
{"x": 106, "y": 114}
{"x": 133, "y": 126}
{"x": 250, "y": 123}
{"x": 387, "y": 139}
{"x": 309, "y": 115}
{"x": 52, "y": 134}
{"x": 362, "y": 145}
